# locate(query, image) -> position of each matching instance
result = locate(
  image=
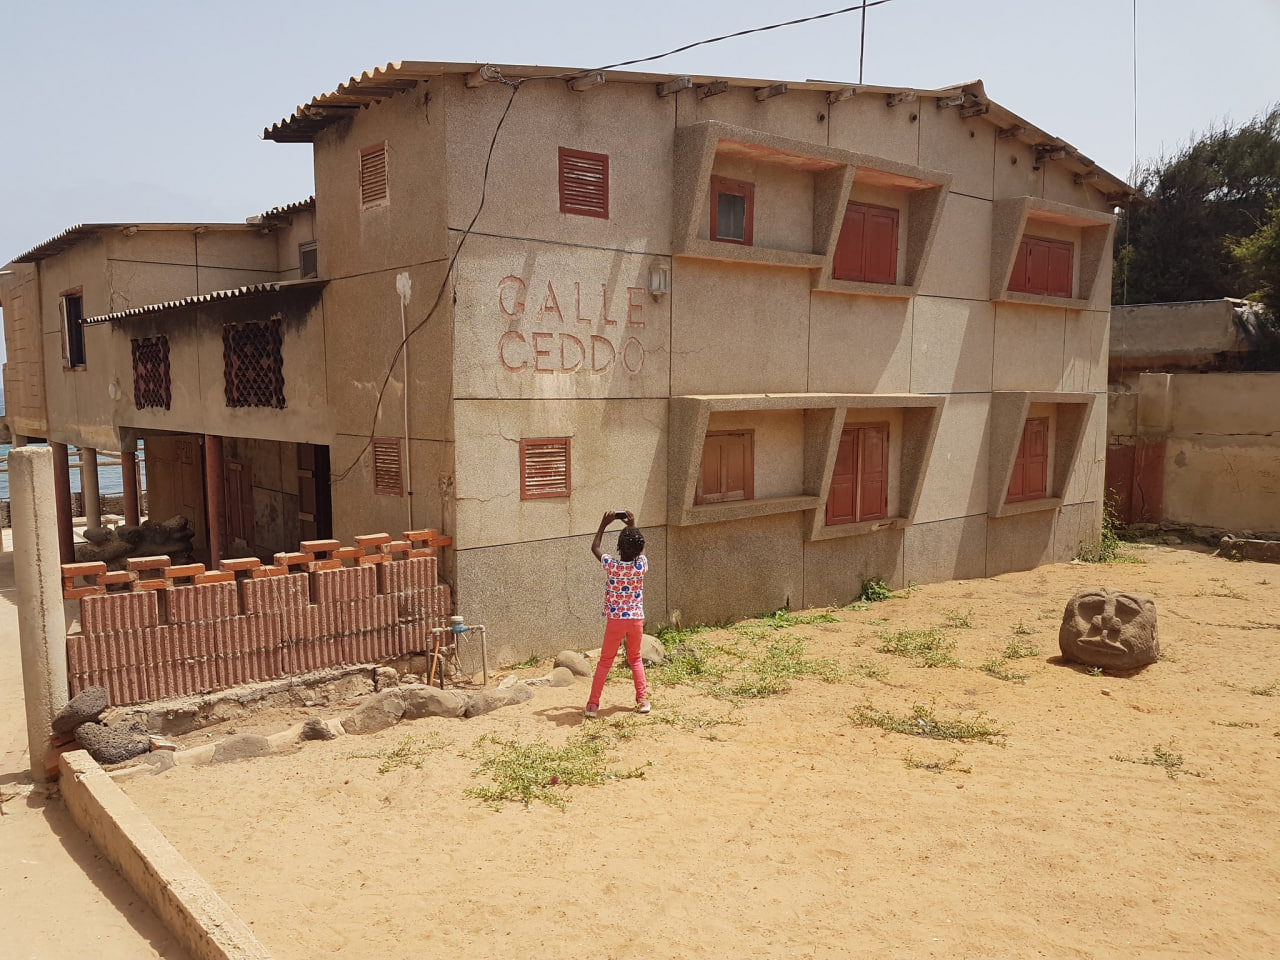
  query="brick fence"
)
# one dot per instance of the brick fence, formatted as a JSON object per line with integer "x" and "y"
{"x": 155, "y": 631}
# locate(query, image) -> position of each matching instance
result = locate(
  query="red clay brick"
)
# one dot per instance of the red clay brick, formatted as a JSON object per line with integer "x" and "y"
{"x": 396, "y": 547}
{"x": 368, "y": 540}
{"x": 261, "y": 631}
{"x": 185, "y": 570}
{"x": 141, "y": 585}
{"x": 422, "y": 552}
{"x": 203, "y": 602}
{"x": 420, "y": 536}
{"x": 118, "y": 611}
{"x": 214, "y": 576}
{"x": 368, "y": 559}
{"x": 319, "y": 546}
{"x": 441, "y": 542}
{"x": 91, "y": 569}
{"x": 116, "y": 578}
{"x": 293, "y": 559}
{"x": 77, "y": 656}
{"x": 348, "y": 583}
{"x": 315, "y": 566}
{"x": 239, "y": 564}
{"x": 79, "y": 593}
{"x": 268, "y": 571}
{"x": 147, "y": 563}
{"x": 347, "y": 553}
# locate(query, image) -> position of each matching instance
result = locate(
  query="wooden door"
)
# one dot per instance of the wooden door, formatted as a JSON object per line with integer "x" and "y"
{"x": 238, "y": 499}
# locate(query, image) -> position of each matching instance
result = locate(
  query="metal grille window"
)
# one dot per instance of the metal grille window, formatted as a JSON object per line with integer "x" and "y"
{"x": 253, "y": 368}
{"x": 584, "y": 183}
{"x": 373, "y": 175}
{"x": 151, "y": 373}
{"x": 544, "y": 468}
{"x": 388, "y": 476}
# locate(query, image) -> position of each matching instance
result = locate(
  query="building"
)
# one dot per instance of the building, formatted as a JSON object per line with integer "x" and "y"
{"x": 810, "y": 333}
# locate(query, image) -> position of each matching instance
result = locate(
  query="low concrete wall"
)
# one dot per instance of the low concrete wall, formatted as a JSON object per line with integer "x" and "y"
{"x": 185, "y": 903}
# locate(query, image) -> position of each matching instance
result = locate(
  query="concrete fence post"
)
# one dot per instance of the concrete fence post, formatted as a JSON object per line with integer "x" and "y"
{"x": 89, "y": 487}
{"x": 42, "y": 628}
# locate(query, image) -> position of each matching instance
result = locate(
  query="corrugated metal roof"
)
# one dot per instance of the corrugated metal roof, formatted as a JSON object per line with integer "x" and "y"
{"x": 380, "y": 83}
{"x": 217, "y": 296}
{"x": 279, "y": 213}
{"x": 64, "y": 241}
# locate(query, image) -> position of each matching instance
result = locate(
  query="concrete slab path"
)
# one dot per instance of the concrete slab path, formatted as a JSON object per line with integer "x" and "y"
{"x": 60, "y": 897}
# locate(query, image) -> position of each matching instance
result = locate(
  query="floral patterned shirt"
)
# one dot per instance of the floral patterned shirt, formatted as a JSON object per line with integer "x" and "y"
{"x": 624, "y": 587}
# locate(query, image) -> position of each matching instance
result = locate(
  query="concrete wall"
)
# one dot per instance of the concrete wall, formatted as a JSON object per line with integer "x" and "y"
{"x": 1171, "y": 336}
{"x": 1222, "y": 444}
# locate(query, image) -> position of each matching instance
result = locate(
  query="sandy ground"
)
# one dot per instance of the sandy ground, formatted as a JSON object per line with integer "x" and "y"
{"x": 795, "y": 832}
{"x": 60, "y": 897}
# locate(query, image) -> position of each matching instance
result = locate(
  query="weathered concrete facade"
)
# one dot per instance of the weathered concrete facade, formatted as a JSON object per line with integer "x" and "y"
{"x": 630, "y": 335}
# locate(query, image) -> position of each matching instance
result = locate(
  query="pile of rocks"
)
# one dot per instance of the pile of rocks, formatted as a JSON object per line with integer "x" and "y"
{"x": 80, "y": 722}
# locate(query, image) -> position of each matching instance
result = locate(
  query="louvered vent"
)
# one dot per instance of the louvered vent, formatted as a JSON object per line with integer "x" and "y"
{"x": 584, "y": 183}
{"x": 544, "y": 468}
{"x": 373, "y": 175}
{"x": 388, "y": 476}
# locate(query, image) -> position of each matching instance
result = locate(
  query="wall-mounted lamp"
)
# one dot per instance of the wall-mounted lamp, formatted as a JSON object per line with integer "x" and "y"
{"x": 586, "y": 81}
{"x": 659, "y": 280}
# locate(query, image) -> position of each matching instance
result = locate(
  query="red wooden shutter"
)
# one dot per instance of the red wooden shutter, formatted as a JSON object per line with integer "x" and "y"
{"x": 388, "y": 477}
{"x": 1030, "y": 478}
{"x": 728, "y": 467}
{"x": 848, "y": 259}
{"x": 873, "y": 470}
{"x": 1018, "y": 279}
{"x": 584, "y": 183}
{"x": 1058, "y": 283}
{"x": 544, "y": 468}
{"x": 1038, "y": 268}
{"x": 373, "y": 174}
{"x": 841, "y": 500}
{"x": 880, "y": 260}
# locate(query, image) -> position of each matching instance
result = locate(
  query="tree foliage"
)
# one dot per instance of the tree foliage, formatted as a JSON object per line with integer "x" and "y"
{"x": 1206, "y": 224}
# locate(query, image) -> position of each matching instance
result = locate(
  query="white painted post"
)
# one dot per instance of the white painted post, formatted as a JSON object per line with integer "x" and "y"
{"x": 92, "y": 503}
{"x": 42, "y": 629}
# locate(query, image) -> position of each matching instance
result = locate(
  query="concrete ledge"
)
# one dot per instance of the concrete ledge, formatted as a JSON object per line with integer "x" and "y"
{"x": 181, "y": 898}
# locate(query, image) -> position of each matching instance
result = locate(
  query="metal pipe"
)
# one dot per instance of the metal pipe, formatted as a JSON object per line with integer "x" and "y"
{"x": 129, "y": 477}
{"x": 62, "y": 499}
{"x": 214, "y": 500}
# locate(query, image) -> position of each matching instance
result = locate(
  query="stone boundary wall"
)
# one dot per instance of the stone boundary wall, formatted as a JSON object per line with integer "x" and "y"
{"x": 156, "y": 631}
{"x": 201, "y": 920}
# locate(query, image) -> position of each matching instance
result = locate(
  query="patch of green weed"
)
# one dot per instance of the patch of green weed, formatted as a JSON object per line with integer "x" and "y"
{"x": 998, "y": 667}
{"x": 936, "y": 766}
{"x": 781, "y": 619}
{"x": 874, "y": 590}
{"x": 930, "y": 647}
{"x": 957, "y": 620}
{"x": 407, "y": 753}
{"x": 1021, "y": 629}
{"x": 1018, "y": 650}
{"x": 525, "y": 772}
{"x": 923, "y": 722}
{"x": 1161, "y": 756}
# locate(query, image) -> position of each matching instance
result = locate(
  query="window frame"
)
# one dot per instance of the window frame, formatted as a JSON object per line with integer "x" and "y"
{"x": 748, "y": 492}
{"x": 567, "y": 205}
{"x": 526, "y": 445}
{"x": 1022, "y": 260}
{"x": 384, "y": 199}
{"x": 312, "y": 247}
{"x": 860, "y": 513}
{"x": 862, "y": 272}
{"x": 737, "y": 188}
{"x": 239, "y": 388}
{"x": 1021, "y": 459}
{"x": 68, "y": 361}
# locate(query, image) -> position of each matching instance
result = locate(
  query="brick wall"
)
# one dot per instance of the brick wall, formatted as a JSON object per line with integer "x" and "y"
{"x": 155, "y": 631}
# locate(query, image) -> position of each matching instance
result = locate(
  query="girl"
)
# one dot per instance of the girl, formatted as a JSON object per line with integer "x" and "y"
{"x": 623, "y": 607}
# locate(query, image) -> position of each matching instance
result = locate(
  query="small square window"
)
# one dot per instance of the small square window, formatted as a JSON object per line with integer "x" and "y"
{"x": 308, "y": 260}
{"x": 867, "y": 248}
{"x": 373, "y": 175}
{"x": 728, "y": 467}
{"x": 732, "y": 210}
{"x": 584, "y": 183}
{"x": 71, "y": 306}
{"x": 544, "y": 468}
{"x": 1043, "y": 267}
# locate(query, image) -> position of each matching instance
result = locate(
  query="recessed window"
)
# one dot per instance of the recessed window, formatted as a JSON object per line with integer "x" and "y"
{"x": 1030, "y": 479}
{"x": 151, "y": 373}
{"x": 544, "y": 468}
{"x": 867, "y": 249}
{"x": 1043, "y": 267}
{"x": 308, "y": 260}
{"x": 72, "y": 308}
{"x": 860, "y": 481}
{"x": 388, "y": 472}
{"x": 728, "y": 467}
{"x": 252, "y": 365}
{"x": 732, "y": 210}
{"x": 584, "y": 183}
{"x": 373, "y": 175}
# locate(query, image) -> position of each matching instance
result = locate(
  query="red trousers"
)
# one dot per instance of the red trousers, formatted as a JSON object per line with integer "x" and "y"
{"x": 614, "y": 632}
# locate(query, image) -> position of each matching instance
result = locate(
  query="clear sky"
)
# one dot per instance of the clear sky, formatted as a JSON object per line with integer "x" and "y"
{"x": 152, "y": 111}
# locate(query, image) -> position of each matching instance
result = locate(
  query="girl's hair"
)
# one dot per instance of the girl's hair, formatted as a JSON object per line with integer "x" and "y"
{"x": 630, "y": 543}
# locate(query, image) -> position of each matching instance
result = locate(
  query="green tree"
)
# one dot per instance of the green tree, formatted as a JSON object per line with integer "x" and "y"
{"x": 1179, "y": 240}
{"x": 1259, "y": 256}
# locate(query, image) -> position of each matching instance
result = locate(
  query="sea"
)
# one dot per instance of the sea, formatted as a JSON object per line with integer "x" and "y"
{"x": 110, "y": 480}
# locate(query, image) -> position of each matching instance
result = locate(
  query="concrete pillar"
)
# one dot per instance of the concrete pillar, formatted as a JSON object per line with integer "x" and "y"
{"x": 89, "y": 487}
{"x": 42, "y": 630}
{"x": 62, "y": 500}
{"x": 214, "y": 504}
{"x": 129, "y": 476}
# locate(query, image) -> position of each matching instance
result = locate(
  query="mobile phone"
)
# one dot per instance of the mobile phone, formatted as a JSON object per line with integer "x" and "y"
{"x": 620, "y": 515}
